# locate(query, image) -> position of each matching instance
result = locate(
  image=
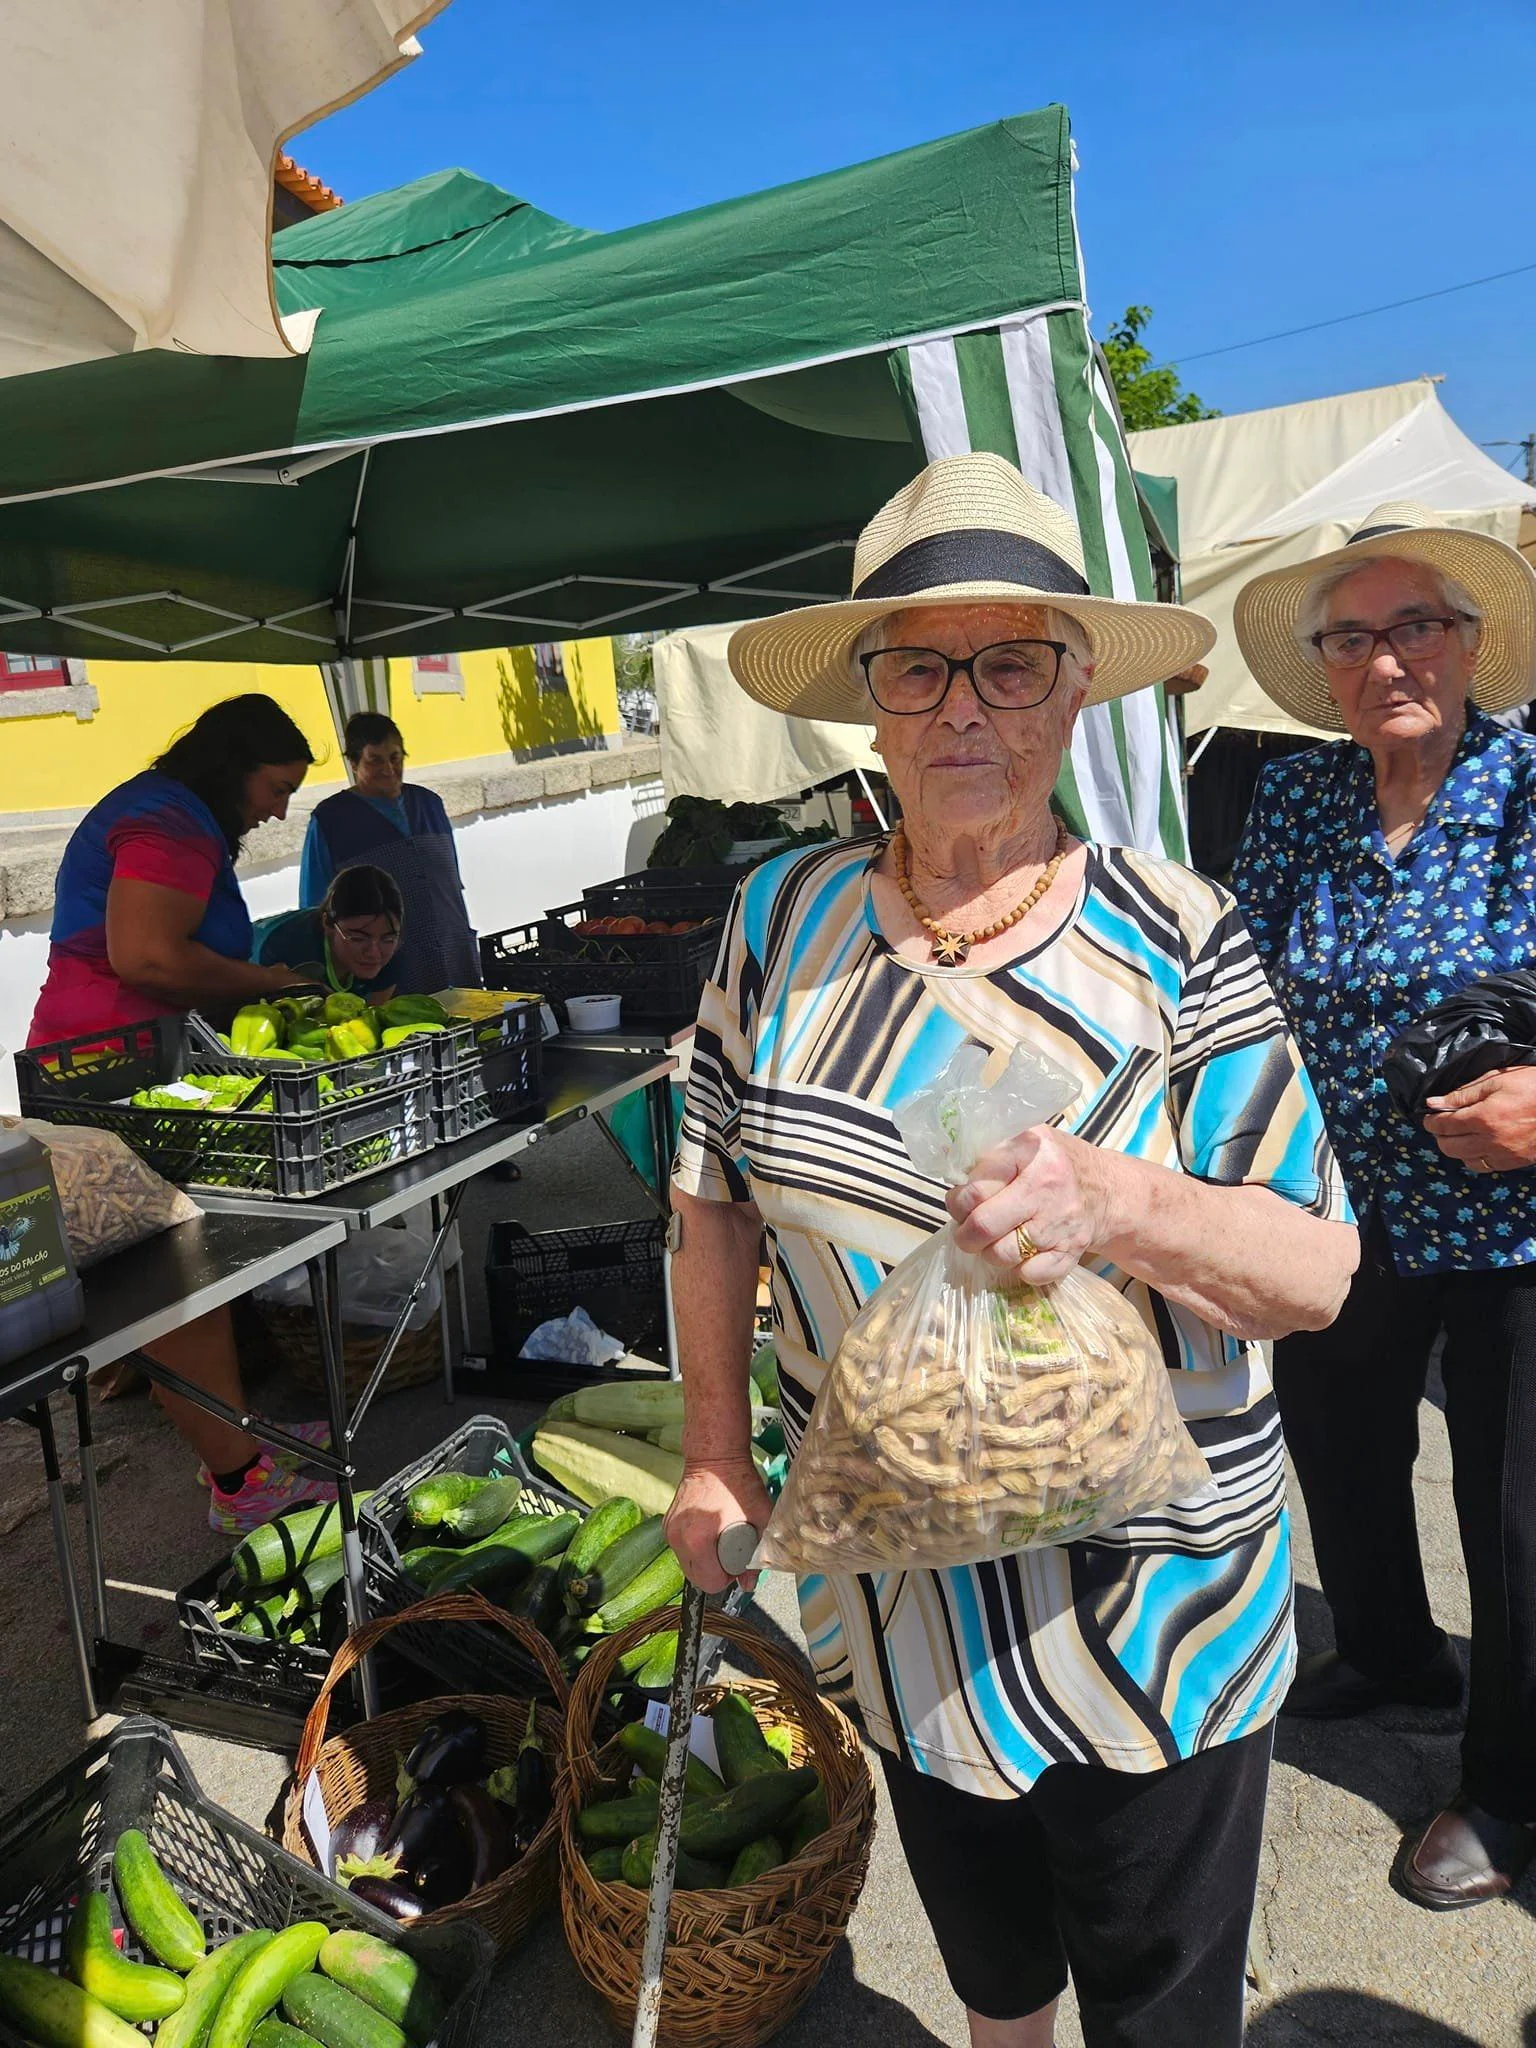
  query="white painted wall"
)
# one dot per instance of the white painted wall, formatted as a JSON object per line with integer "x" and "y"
{"x": 516, "y": 864}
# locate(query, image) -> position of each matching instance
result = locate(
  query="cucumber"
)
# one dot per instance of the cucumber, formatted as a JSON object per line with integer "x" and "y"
{"x": 424, "y": 1560}
{"x": 510, "y": 1553}
{"x": 740, "y": 1744}
{"x": 809, "y": 1819}
{"x": 604, "y": 1525}
{"x": 655, "y": 1674}
{"x": 429, "y": 1500}
{"x": 57, "y": 2014}
{"x": 607, "y": 1865}
{"x": 264, "y": 1980}
{"x": 724, "y": 1826}
{"x": 484, "y": 1511}
{"x": 649, "y": 1750}
{"x": 134, "y": 1991}
{"x": 336, "y": 2018}
{"x": 657, "y": 1586}
{"x": 620, "y": 1820}
{"x": 614, "y": 1568}
{"x": 649, "y": 1652}
{"x": 756, "y": 1860}
{"x": 272, "y": 2033}
{"x": 279, "y": 1548}
{"x": 152, "y": 1906}
{"x": 389, "y": 1980}
{"x": 690, "y": 1875}
{"x": 188, "y": 2026}
{"x": 537, "y": 1598}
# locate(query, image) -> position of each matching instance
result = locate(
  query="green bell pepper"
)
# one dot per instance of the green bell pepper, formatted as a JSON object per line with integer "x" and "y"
{"x": 343, "y": 1007}
{"x": 256, "y": 1030}
{"x": 397, "y": 1034}
{"x": 414, "y": 1010}
{"x": 354, "y": 1038}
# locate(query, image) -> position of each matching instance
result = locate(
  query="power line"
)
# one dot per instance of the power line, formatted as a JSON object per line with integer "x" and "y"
{"x": 1365, "y": 313}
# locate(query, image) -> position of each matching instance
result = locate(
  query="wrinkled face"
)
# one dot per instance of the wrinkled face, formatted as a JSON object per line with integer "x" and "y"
{"x": 965, "y": 766}
{"x": 363, "y": 946}
{"x": 1391, "y": 698}
{"x": 380, "y": 769}
{"x": 268, "y": 789}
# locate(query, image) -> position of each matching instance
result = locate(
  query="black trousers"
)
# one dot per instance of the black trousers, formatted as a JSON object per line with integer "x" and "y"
{"x": 1142, "y": 1883}
{"x": 1349, "y": 1398}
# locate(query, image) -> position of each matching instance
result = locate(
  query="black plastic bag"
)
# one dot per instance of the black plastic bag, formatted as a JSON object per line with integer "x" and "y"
{"x": 1476, "y": 1031}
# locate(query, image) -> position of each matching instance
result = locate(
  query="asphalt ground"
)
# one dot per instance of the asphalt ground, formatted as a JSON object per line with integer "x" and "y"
{"x": 1338, "y": 1956}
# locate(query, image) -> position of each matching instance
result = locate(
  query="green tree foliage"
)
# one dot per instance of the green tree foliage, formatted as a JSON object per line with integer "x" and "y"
{"x": 1151, "y": 394}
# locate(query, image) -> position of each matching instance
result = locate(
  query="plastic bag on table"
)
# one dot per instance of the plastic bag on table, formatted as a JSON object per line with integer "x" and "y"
{"x": 1473, "y": 1032}
{"x": 375, "y": 1270}
{"x": 963, "y": 1418}
{"x": 110, "y": 1198}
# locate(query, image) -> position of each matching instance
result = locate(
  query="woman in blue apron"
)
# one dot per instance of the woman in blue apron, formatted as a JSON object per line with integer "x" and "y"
{"x": 395, "y": 825}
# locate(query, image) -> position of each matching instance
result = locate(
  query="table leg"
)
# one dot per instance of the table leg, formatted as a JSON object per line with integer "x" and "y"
{"x": 325, "y": 1293}
{"x": 444, "y": 1316}
{"x": 90, "y": 1501}
{"x": 42, "y": 1422}
{"x": 392, "y": 1341}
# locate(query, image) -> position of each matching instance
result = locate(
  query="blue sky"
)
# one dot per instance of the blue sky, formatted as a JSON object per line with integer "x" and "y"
{"x": 1243, "y": 168}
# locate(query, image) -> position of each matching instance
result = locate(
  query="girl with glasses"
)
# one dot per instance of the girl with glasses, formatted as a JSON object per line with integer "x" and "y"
{"x": 348, "y": 942}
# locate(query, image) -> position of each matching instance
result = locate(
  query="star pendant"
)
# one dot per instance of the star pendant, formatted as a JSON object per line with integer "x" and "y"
{"x": 950, "y": 948}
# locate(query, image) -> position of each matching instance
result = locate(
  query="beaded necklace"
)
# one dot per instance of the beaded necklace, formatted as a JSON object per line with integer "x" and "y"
{"x": 951, "y": 948}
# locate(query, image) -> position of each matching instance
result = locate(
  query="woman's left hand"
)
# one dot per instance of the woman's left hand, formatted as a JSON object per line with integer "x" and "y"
{"x": 1054, "y": 1187}
{"x": 1490, "y": 1125}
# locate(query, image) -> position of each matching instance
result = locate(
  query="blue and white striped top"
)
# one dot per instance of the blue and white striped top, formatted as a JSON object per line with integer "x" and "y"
{"x": 1173, "y": 1632}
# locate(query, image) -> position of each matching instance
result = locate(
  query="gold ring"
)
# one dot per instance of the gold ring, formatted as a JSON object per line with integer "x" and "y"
{"x": 1028, "y": 1249}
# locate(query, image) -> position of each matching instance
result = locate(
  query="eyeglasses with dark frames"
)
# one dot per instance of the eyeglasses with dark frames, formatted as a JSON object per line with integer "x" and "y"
{"x": 1409, "y": 640}
{"x": 1010, "y": 675}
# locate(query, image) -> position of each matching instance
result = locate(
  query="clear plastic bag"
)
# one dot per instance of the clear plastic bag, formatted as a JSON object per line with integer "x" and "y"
{"x": 110, "y": 1198}
{"x": 964, "y": 1419}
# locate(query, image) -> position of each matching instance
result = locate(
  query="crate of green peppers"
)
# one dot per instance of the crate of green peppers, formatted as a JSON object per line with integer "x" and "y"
{"x": 127, "y": 1898}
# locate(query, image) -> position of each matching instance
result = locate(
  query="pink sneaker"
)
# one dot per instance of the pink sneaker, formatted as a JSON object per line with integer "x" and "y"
{"x": 316, "y": 1433}
{"x": 269, "y": 1487}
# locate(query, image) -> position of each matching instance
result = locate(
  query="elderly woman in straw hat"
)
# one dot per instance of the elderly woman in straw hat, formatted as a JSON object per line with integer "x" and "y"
{"x": 1378, "y": 876}
{"x": 1076, "y": 1739}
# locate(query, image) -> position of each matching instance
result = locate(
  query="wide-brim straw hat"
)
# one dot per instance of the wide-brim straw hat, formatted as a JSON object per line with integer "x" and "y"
{"x": 967, "y": 530}
{"x": 1496, "y": 575}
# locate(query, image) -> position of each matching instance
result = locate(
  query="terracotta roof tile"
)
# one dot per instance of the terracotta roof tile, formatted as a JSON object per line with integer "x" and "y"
{"x": 305, "y": 186}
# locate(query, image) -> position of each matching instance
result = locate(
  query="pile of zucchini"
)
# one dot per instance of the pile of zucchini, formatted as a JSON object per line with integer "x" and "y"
{"x": 333, "y": 1989}
{"x": 283, "y": 1582}
{"x": 572, "y": 1577}
{"x": 758, "y": 1812}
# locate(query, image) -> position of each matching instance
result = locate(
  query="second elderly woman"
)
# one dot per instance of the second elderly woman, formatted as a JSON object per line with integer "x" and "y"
{"x": 1378, "y": 876}
{"x": 1076, "y": 1738}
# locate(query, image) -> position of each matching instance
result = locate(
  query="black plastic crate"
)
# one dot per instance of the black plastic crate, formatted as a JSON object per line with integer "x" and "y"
{"x": 478, "y": 1080}
{"x": 612, "y": 1270}
{"x": 58, "y": 1843}
{"x": 665, "y": 892}
{"x": 300, "y": 1667}
{"x": 658, "y": 976}
{"x": 306, "y": 1143}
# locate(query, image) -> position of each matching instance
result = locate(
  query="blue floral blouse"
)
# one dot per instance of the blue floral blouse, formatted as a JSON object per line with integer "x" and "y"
{"x": 1358, "y": 945}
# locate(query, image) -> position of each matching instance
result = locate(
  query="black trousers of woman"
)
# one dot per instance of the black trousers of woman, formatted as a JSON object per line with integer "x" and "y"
{"x": 1349, "y": 1399}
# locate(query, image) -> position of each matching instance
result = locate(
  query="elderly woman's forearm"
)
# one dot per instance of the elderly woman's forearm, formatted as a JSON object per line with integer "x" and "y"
{"x": 1240, "y": 1257}
{"x": 714, "y": 1299}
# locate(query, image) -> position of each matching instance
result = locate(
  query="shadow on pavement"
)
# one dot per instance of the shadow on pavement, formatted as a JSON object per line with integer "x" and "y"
{"x": 1356, "y": 2016}
{"x": 842, "y": 2009}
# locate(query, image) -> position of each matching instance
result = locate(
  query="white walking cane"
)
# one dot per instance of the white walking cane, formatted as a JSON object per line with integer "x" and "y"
{"x": 734, "y": 1551}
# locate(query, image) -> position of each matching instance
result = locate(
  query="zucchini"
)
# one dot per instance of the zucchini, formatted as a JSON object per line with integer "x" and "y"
{"x": 271, "y": 2033}
{"x": 651, "y": 1651}
{"x": 690, "y": 1875}
{"x": 260, "y": 1619}
{"x": 620, "y": 1820}
{"x": 386, "y": 1978}
{"x": 740, "y": 1743}
{"x": 483, "y": 1512}
{"x": 537, "y": 1598}
{"x": 188, "y": 2026}
{"x": 611, "y": 1571}
{"x": 724, "y": 1826}
{"x": 422, "y": 1560}
{"x": 656, "y": 1672}
{"x": 264, "y": 1980}
{"x": 649, "y": 1750}
{"x": 152, "y": 1906}
{"x": 765, "y": 1373}
{"x": 604, "y": 1525}
{"x": 429, "y": 1500}
{"x": 598, "y": 1465}
{"x": 756, "y": 1860}
{"x": 279, "y": 1548}
{"x": 633, "y": 1405}
{"x": 657, "y": 1586}
{"x": 314, "y": 1586}
{"x": 511, "y": 1553}
{"x": 335, "y": 2018}
{"x": 134, "y": 1991}
{"x": 57, "y": 2014}
{"x": 562, "y": 1409}
{"x": 809, "y": 1819}
{"x": 607, "y": 1864}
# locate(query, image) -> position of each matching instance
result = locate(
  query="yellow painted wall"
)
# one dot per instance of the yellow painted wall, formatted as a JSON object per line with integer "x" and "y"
{"x": 59, "y": 762}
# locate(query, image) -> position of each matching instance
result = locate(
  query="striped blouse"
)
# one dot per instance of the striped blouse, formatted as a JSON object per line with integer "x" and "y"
{"x": 1164, "y": 1636}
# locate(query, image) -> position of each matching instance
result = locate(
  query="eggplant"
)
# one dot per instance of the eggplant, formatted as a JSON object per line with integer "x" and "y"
{"x": 359, "y": 1835}
{"x": 485, "y": 1826}
{"x": 432, "y": 1848}
{"x": 535, "y": 1789}
{"x": 397, "y": 1900}
{"x": 451, "y": 1751}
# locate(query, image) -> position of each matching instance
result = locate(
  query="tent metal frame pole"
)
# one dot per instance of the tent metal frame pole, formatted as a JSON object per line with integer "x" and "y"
{"x": 1200, "y": 746}
{"x": 349, "y": 565}
{"x": 871, "y": 799}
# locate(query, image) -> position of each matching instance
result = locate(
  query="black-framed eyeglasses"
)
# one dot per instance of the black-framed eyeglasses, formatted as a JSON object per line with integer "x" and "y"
{"x": 1010, "y": 675}
{"x": 1409, "y": 640}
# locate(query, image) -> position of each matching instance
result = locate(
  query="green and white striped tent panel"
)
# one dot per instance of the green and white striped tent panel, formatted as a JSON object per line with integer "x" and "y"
{"x": 355, "y": 685}
{"x": 1031, "y": 389}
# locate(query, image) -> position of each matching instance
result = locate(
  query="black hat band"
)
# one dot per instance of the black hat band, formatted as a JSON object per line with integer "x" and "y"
{"x": 972, "y": 554}
{"x": 1375, "y": 532}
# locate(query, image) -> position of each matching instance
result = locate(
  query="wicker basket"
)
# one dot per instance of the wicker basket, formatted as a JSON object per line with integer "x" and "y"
{"x": 296, "y": 1340}
{"x": 739, "y": 1963}
{"x": 362, "y": 1761}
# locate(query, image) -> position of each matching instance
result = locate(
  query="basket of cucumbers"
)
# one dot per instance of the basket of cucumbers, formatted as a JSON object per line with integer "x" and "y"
{"x": 772, "y": 1852}
{"x": 446, "y": 1805}
{"x": 126, "y": 1898}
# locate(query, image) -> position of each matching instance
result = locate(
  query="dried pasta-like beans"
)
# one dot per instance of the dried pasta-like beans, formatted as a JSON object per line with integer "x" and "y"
{"x": 110, "y": 1198}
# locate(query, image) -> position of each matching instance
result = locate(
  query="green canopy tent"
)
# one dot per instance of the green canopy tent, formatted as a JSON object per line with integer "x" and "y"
{"x": 507, "y": 429}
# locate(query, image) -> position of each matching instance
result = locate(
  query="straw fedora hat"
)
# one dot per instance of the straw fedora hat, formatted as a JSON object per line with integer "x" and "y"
{"x": 1501, "y": 580}
{"x": 967, "y": 530}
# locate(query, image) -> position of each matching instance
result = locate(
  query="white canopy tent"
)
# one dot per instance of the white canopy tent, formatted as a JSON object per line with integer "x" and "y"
{"x": 716, "y": 741}
{"x": 1261, "y": 490}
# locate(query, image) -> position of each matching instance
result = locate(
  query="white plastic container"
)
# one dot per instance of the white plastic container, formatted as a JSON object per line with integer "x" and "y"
{"x": 593, "y": 1013}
